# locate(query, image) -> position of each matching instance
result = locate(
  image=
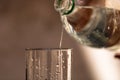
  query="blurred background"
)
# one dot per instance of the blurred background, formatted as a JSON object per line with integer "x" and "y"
{"x": 35, "y": 24}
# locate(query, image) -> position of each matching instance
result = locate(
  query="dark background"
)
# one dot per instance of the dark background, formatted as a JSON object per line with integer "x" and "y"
{"x": 33, "y": 24}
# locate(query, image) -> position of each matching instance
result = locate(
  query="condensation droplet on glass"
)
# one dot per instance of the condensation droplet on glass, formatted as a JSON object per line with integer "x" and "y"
{"x": 46, "y": 69}
{"x": 57, "y": 65}
{"x": 63, "y": 66}
{"x": 50, "y": 78}
{"x": 57, "y": 73}
{"x": 56, "y": 79}
{"x": 31, "y": 59}
{"x": 36, "y": 59}
{"x": 41, "y": 77}
{"x": 37, "y": 67}
{"x": 60, "y": 55}
{"x": 43, "y": 67}
{"x": 50, "y": 73}
{"x": 63, "y": 59}
{"x": 37, "y": 75}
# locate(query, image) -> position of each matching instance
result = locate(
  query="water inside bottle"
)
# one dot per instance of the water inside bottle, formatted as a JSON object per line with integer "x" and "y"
{"x": 93, "y": 26}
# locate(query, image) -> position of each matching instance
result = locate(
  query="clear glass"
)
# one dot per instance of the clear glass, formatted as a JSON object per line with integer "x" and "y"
{"x": 48, "y": 64}
{"x": 92, "y": 22}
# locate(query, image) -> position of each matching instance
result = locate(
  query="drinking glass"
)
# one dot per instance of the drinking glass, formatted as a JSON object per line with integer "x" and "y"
{"x": 93, "y": 23}
{"x": 48, "y": 64}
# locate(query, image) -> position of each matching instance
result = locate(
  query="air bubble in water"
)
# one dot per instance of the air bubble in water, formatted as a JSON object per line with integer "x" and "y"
{"x": 63, "y": 66}
{"x": 36, "y": 67}
{"x": 31, "y": 59}
{"x": 37, "y": 75}
{"x": 57, "y": 65}
{"x": 57, "y": 72}
{"x": 46, "y": 69}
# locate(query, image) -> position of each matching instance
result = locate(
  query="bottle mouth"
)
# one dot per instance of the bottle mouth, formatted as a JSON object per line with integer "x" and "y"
{"x": 64, "y": 6}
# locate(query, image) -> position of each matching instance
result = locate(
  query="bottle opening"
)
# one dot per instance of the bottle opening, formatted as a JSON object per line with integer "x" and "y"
{"x": 64, "y": 6}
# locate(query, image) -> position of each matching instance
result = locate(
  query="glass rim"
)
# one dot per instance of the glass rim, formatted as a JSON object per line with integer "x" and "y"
{"x": 27, "y": 49}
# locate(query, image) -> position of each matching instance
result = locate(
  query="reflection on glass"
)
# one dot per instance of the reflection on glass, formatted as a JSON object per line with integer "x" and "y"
{"x": 48, "y": 64}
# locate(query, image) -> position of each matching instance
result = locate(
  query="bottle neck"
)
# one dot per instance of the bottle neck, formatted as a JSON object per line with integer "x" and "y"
{"x": 64, "y": 7}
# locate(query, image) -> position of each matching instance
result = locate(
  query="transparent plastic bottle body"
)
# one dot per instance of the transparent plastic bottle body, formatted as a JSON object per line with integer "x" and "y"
{"x": 95, "y": 26}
